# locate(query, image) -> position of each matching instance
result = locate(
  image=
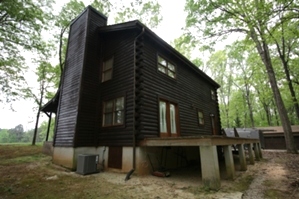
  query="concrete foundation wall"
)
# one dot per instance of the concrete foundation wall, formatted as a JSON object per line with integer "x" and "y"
{"x": 67, "y": 156}
{"x": 148, "y": 159}
{"x": 64, "y": 156}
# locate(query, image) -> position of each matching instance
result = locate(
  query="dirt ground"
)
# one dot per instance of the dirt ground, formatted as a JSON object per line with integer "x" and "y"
{"x": 26, "y": 173}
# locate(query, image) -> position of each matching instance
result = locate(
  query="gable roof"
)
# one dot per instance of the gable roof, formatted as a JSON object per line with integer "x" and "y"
{"x": 137, "y": 25}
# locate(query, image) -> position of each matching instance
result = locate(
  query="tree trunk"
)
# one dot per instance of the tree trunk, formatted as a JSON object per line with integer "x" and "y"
{"x": 38, "y": 112}
{"x": 275, "y": 114}
{"x": 249, "y": 105}
{"x": 263, "y": 51}
{"x": 284, "y": 60}
{"x": 227, "y": 118}
{"x": 36, "y": 127}
{"x": 268, "y": 116}
{"x": 266, "y": 106}
{"x": 293, "y": 94}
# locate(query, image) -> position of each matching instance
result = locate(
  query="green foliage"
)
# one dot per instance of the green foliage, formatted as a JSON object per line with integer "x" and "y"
{"x": 4, "y": 136}
{"x": 237, "y": 122}
{"x": 148, "y": 12}
{"x": 12, "y": 135}
{"x": 18, "y": 135}
{"x": 43, "y": 130}
{"x": 21, "y": 24}
{"x": 266, "y": 43}
{"x": 186, "y": 44}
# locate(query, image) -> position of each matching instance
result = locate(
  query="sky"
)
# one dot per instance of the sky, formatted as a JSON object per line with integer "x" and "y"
{"x": 169, "y": 29}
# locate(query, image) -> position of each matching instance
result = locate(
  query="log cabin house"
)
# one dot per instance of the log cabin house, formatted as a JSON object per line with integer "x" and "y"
{"x": 127, "y": 95}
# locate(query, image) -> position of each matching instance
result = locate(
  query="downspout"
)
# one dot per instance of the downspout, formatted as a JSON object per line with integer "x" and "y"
{"x": 134, "y": 104}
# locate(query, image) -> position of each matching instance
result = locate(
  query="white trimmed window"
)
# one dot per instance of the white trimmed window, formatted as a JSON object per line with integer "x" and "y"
{"x": 107, "y": 69}
{"x": 166, "y": 67}
{"x": 163, "y": 122}
{"x": 113, "y": 112}
{"x": 168, "y": 118}
{"x": 200, "y": 118}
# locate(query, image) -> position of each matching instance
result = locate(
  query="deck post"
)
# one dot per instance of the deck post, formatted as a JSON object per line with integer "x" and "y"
{"x": 242, "y": 157}
{"x": 260, "y": 150}
{"x": 256, "y": 152}
{"x": 229, "y": 162}
{"x": 250, "y": 152}
{"x": 210, "y": 167}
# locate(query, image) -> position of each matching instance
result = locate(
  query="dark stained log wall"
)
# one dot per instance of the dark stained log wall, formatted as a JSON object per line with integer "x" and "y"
{"x": 190, "y": 91}
{"x": 120, "y": 45}
{"x": 79, "y": 120}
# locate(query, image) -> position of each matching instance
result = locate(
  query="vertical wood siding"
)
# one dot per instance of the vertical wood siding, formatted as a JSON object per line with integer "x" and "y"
{"x": 87, "y": 122}
{"x": 75, "y": 118}
{"x": 69, "y": 97}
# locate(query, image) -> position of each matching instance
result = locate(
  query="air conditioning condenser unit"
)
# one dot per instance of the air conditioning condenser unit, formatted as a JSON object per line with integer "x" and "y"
{"x": 87, "y": 164}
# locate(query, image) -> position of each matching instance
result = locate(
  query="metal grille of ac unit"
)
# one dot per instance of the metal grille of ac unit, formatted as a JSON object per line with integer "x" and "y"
{"x": 87, "y": 164}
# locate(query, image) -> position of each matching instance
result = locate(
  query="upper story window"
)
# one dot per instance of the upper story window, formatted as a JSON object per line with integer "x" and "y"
{"x": 201, "y": 120}
{"x": 166, "y": 67}
{"x": 113, "y": 112}
{"x": 107, "y": 69}
{"x": 213, "y": 95}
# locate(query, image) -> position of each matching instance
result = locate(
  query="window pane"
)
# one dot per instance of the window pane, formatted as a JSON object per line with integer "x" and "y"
{"x": 171, "y": 74}
{"x": 119, "y": 104}
{"x": 213, "y": 95}
{"x": 119, "y": 117}
{"x": 200, "y": 118}
{"x": 108, "y": 119}
{"x": 163, "y": 127}
{"x": 161, "y": 61}
{"x": 200, "y": 114}
{"x": 162, "y": 69}
{"x": 107, "y": 75}
{"x": 172, "y": 119}
{"x": 113, "y": 112}
{"x": 171, "y": 67}
{"x": 108, "y": 106}
{"x": 108, "y": 64}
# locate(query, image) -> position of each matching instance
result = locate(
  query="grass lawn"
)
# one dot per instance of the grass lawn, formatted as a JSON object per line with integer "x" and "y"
{"x": 27, "y": 173}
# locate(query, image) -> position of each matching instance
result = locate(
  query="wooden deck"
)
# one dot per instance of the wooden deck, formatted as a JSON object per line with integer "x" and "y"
{"x": 209, "y": 154}
{"x": 197, "y": 141}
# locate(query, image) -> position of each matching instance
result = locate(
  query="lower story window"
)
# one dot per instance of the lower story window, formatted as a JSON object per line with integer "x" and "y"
{"x": 168, "y": 118}
{"x": 113, "y": 112}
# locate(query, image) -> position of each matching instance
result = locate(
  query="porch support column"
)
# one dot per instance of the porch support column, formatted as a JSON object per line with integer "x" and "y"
{"x": 49, "y": 124}
{"x": 256, "y": 152}
{"x": 229, "y": 162}
{"x": 242, "y": 157}
{"x": 250, "y": 152}
{"x": 210, "y": 167}
{"x": 260, "y": 149}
